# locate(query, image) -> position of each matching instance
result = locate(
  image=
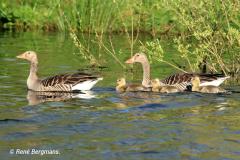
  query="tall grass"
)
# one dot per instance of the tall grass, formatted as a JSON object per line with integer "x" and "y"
{"x": 86, "y": 15}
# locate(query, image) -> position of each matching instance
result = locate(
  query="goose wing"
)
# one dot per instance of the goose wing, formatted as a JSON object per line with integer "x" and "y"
{"x": 177, "y": 78}
{"x": 67, "y": 79}
{"x": 182, "y": 80}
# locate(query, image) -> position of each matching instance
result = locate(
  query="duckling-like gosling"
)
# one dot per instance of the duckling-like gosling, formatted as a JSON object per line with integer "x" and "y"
{"x": 204, "y": 89}
{"x": 158, "y": 86}
{"x": 122, "y": 86}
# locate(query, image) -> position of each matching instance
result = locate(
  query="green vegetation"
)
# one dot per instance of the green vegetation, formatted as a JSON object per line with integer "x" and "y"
{"x": 85, "y": 15}
{"x": 205, "y": 32}
{"x": 210, "y": 41}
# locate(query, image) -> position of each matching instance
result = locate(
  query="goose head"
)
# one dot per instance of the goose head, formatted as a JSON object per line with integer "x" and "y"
{"x": 195, "y": 81}
{"x": 138, "y": 57}
{"x": 121, "y": 82}
{"x": 155, "y": 83}
{"x": 29, "y": 55}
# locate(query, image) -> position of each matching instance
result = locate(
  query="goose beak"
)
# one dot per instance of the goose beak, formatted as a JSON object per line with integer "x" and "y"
{"x": 21, "y": 56}
{"x": 130, "y": 60}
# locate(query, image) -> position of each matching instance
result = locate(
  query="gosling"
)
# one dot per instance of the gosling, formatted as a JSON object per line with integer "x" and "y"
{"x": 122, "y": 86}
{"x": 205, "y": 89}
{"x": 158, "y": 86}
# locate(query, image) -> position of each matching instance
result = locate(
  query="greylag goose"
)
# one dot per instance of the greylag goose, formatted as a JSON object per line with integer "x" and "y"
{"x": 158, "y": 86}
{"x": 122, "y": 86}
{"x": 204, "y": 89}
{"x": 180, "y": 80}
{"x": 61, "y": 83}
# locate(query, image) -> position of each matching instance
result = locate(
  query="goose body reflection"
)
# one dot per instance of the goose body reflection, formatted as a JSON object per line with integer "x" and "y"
{"x": 35, "y": 98}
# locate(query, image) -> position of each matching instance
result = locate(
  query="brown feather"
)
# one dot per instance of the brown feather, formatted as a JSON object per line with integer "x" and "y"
{"x": 67, "y": 79}
{"x": 184, "y": 79}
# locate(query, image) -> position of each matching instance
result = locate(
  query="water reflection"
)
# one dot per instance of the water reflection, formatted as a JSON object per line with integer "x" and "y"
{"x": 35, "y": 98}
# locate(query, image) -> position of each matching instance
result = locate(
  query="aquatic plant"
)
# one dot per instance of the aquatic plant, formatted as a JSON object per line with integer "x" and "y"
{"x": 208, "y": 42}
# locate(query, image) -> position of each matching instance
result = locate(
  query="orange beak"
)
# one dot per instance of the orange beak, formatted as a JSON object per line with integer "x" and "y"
{"x": 22, "y": 56}
{"x": 130, "y": 60}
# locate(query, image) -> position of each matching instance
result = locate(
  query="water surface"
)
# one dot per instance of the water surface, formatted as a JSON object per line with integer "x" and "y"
{"x": 103, "y": 124}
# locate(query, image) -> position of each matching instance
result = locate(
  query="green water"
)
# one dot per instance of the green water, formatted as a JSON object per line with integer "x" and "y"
{"x": 108, "y": 125}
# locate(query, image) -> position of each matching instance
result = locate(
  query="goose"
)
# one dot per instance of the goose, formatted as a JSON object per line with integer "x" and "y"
{"x": 122, "y": 86}
{"x": 204, "y": 89}
{"x": 61, "y": 83}
{"x": 158, "y": 86}
{"x": 180, "y": 80}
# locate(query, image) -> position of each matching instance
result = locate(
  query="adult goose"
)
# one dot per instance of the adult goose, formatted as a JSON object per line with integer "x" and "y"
{"x": 180, "y": 80}
{"x": 62, "y": 83}
{"x": 205, "y": 89}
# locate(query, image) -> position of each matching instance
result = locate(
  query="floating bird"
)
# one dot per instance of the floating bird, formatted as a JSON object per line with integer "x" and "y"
{"x": 180, "y": 80}
{"x": 158, "y": 86}
{"x": 204, "y": 89}
{"x": 122, "y": 86}
{"x": 61, "y": 83}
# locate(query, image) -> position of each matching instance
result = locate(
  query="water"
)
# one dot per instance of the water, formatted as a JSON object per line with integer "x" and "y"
{"x": 107, "y": 125}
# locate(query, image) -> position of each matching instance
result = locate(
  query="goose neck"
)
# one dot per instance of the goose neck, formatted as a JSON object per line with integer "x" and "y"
{"x": 146, "y": 74}
{"x": 32, "y": 78}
